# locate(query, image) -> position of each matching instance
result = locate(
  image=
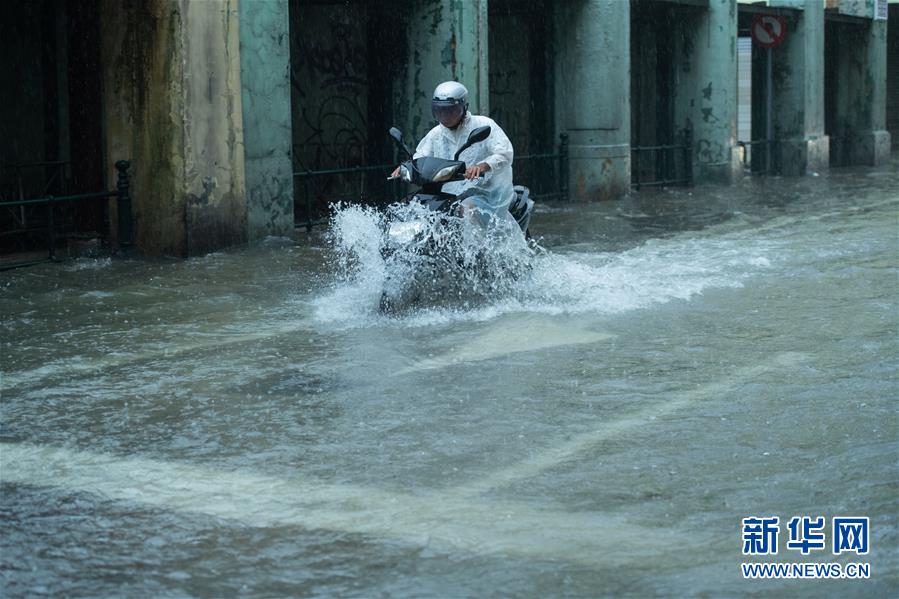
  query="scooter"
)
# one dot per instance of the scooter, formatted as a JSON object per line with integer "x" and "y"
{"x": 427, "y": 242}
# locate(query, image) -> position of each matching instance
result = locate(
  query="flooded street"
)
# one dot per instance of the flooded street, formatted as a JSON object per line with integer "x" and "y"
{"x": 247, "y": 423}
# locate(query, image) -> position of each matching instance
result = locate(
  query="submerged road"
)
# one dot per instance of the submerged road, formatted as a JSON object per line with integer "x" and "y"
{"x": 247, "y": 423}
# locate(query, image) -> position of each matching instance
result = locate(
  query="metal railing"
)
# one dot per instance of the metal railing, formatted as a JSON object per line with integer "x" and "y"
{"x": 668, "y": 163}
{"x": 555, "y": 163}
{"x": 123, "y": 204}
{"x": 369, "y": 192}
{"x": 372, "y": 188}
{"x": 55, "y": 175}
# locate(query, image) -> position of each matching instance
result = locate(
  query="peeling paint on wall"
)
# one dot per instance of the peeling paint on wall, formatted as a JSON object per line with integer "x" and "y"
{"x": 141, "y": 49}
{"x": 857, "y": 8}
{"x": 705, "y": 89}
{"x": 265, "y": 83}
{"x": 161, "y": 60}
{"x": 446, "y": 42}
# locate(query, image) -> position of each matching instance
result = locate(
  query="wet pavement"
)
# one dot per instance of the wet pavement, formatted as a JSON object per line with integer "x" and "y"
{"x": 248, "y": 423}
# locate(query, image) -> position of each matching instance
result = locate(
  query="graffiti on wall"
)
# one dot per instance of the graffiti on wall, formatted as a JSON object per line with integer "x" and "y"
{"x": 330, "y": 88}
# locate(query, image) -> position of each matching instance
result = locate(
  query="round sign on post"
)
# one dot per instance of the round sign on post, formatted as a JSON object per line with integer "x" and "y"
{"x": 769, "y": 31}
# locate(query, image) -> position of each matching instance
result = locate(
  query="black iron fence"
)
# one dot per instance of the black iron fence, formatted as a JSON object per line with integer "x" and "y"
{"x": 546, "y": 174}
{"x": 315, "y": 190}
{"x": 48, "y": 225}
{"x": 671, "y": 164}
{"x": 48, "y": 177}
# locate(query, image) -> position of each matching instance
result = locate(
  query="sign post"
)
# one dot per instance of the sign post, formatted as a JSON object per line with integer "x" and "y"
{"x": 769, "y": 31}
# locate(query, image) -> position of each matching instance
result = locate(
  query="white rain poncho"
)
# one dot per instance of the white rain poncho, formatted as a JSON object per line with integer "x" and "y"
{"x": 494, "y": 186}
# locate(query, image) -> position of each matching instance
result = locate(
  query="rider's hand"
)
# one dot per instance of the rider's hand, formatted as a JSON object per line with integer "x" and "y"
{"x": 395, "y": 173}
{"x": 473, "y": 172}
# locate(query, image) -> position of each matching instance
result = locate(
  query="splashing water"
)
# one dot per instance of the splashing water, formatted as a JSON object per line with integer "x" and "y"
{"x": 479, "y": 275}
{"x": 412, "y": 259}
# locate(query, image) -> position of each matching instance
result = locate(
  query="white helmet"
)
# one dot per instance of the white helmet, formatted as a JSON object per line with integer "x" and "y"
{"x": 450, "y": 102}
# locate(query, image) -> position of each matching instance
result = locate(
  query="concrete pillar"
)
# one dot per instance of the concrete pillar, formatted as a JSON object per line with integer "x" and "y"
{"x": 875, "y": 143}
{"x": 706, "y": 89}
{"x": 172, "y": 99}
{"x": 265, "y": 86}
{"x": 592, "y": 68}
{"x": 798, "y": 87}
{"x": 892, "y": 108}
{"x": 859, "y": 98}
{"x": 447, "y": 41}
{"x": 857, "y": 92}
{"x": 865, "y": 100}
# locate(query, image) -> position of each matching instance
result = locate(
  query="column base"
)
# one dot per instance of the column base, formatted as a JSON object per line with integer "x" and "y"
{"x": 798, "y": 157}
{"x": 866, "y": 148}
{"x": 598, "y": 172}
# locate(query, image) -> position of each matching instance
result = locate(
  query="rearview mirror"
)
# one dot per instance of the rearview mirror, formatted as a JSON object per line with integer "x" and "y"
{"x": 397, "y": 136}
{"x": 479, "y": 134}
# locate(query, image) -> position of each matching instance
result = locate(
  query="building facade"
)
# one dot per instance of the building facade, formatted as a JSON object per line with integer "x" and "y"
{"x": 219, "y": 104}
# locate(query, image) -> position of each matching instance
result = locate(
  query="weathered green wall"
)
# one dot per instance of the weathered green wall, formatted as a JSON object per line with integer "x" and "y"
{"x": 706, "y": 89}
{"x": 592, "y": 38}
{"x": 447, "y": 40}
{"x": 265, "y": 85}
{"x": 172, "y": 103}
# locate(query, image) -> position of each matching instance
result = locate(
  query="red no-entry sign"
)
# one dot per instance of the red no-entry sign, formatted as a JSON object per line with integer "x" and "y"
{"x": 769, "y": 31}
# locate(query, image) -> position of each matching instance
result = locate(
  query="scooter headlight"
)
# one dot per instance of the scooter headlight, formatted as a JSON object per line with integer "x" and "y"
{"x": 444, "y": 174}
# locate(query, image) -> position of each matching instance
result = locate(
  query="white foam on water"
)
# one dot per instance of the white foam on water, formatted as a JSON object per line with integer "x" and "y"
{"x": 500, "y": 339}
{"x": 88, "y": 264}
{"x": 191, "y": 341}
{"x": 97, "y": 294}
{"x": 476, "y": 263}
{"x": 545, "y": 282}
{"x": 467, "y": 517}
{"x": 422, "y": 518}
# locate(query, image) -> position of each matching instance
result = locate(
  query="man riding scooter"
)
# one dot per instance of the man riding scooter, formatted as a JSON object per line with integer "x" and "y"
{"x": 488, "y": 189}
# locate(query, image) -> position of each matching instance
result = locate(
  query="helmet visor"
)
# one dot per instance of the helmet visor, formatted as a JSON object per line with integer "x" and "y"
{"x": 449, "y": 113}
